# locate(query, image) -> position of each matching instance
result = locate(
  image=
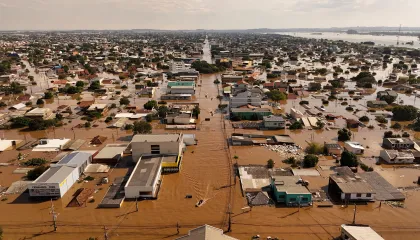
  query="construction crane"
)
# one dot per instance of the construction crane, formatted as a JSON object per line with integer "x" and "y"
{"x": 398, "y": 37}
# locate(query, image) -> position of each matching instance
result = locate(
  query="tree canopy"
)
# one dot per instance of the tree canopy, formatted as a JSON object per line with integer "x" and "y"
{"x": 310, "y": 160}
{"x": 150, "y": 105}
{"x": 344, "y": 134}
{"x": 404, "y": 113}
{"x": 140, "y": 127}
{"x": 349, "y": 159}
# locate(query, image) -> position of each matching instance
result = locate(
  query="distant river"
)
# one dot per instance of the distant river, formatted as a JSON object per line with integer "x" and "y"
{"x": 379, "y": 40}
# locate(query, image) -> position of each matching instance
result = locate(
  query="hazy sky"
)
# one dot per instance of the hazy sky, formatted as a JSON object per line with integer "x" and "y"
{"x": 206, "y": 14}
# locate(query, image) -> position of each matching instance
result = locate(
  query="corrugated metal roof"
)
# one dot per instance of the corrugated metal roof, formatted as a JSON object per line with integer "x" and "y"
{"x": 361, "y": 232}
{"x": 55, "y": 174}
{"x": 78, "y": 158}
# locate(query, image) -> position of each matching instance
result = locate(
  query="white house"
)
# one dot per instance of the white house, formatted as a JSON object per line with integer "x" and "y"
{"x": 51, "y": 145}
{"x": 354, "y": 147}
{"x": 349, "y": 186}
{"x": 295, "y": 113}
{"x": 396, "y": 157}
{"x": 274, "y": 122}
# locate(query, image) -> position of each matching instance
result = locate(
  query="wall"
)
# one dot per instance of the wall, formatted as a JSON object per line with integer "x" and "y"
{"x": 140, "y": 148}
{"x": 44, "y": 189}
{"x": 181, "y": 91}
{"x": 134, "y": 191}
{"x": 274, "y": 124}
{"x": 296, "y": 198}
{"x": 363, "y": 197}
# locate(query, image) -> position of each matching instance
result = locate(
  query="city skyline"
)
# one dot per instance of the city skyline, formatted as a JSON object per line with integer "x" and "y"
{"x": 204, "y": 14}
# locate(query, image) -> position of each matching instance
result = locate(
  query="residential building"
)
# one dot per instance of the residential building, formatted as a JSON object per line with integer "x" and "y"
{"x": 359, "y": 232}
{"x": 290, "y": 191}
{"x": 40, "y": 113}
{"x": 51, "y": 145}
{"x": 402, "y": 88}
{"x": 380, "y": 94}
{"x": 376, "y": 104}
{"x": 176, "y": 97}
{"x": 228, "y": 78}
{"x": 206, "y": 232}
{"x": 181, "y": 87}
{"x": 179, "y": 118}
{"x": 274, "y": 122}
{"x": 397, "y": 143}
{"x": 101, "y": 108}
{"x": 397, "y": 157}
{"x": 250, "y": 113}
{"x": 246, "y": 98}
{"x": 144, "y": 181}
{"x": 333, "y": 148}
{"x": 352, "y": 123}
{"x": 354, "y": 147}
{"x": 348, "y": 186}
{"x": 169, "y": 145}
{"x": 177, "y": 66}
{"x": 60, "y": 177}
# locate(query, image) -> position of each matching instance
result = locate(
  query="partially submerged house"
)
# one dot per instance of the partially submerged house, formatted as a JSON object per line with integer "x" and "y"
{"x": 290, "y": 191}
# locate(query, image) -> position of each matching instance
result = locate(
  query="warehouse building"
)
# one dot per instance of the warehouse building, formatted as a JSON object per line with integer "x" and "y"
{"x": 144, "y": 181}
{"x": 156, "y": 144}
{"x": 60, "y": 177}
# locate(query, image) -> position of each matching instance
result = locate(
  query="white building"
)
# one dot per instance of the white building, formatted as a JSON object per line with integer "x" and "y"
{"x": 41, "y": 113}
{"x": 396, "y": 157}
{"x": 354, "y": 232}
{"x": 51, "y": 145}
{"x": 246, "y": 98}
{"x": 354, "y": 147}
{"x": 295, "y": 113}
{"x": 206, "y": 232}
{"x": 180, "y": 118}
{"x": 156, "y": 144}
{"x": 7, "y": 144}
{"x": 60, "y": 177}
{"x": 145, "y": 179}
{"x": 175, "y": 66}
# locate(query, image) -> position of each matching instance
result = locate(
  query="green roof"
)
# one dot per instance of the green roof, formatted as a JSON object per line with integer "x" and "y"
{"x": 183, "y": 83}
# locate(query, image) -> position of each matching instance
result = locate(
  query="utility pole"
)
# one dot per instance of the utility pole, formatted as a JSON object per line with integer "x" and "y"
{"x": 137, "y": 205}
{"x": 354, "y": 215}
{"x": 177, "y": 228}
{"x": 54, "y": 215}
{"x": 230, "y": 220}
{"x": 106, "y": 233}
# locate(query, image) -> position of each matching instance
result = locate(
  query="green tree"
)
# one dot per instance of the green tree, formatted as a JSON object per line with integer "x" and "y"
{"x": 40, "y": 102}
{"x": 320, "y": 124}
{"x": 270, "y": 163}
{"x": 80, "y": 84}
{"x": 48, "y": 95}
{"x": 35, "y": 162}
{"x": 310, "y": 160}
{"x": 344, "y": 135}
{"x": 364, "y": 119}
{"x": 349, "y": 159}
{"x": 296, "y": 125}
{"x": 94, "y": 85}
{"x": 87, "y": 125}
{"x": 150, "y": 105}
{"x": 276, "y": 95}
{"x": 140, "y": 127}
{"x": 404, "y": 113}
{"x": 149, "y": 118}
{"x": 315, "y": 148}
{"x": 36, "y": 172}
{"x": 196, "y": 111}
{"x": 124, "y": 101}
{"x": 162, "y": 111}
{"x": 20, "y": 122}
{"x": 388, "y": 98}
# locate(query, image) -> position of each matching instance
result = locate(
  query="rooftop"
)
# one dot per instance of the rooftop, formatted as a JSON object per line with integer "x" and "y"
{"x": 111, "y": 151}
{"x": 237, "y": 110}
{"x": 349, "y": 182}
{"x": 399, "y": 154}
{"x": 206, "y": 232}
{"x": 77, "y": 158}
{"x": 38, "y": 111}
{"x": 355, "y": 145}
{"x": 361, "y": 232}
{"x": 145, "y": 172}
{"x": 183, "y": 83}
{"x": 332, "y": 146}
{"x": 400, "y": 140}
{"x": 157, "y": 138}
{"x": 55, "y": 174}
{"x": 289, "y": 184}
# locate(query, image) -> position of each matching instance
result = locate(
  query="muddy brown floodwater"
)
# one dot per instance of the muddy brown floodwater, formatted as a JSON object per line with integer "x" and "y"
{"x": 207, "y": 173}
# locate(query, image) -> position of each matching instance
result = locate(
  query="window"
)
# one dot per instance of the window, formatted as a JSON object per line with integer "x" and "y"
{"x": 155, "y": 149}
{"x": 359, "y": 195}
{"x": 281, "y": 196}
{"x": 305, "y": 199}
{"x": 368, "y": 195}
{"x": 293, "y": 199}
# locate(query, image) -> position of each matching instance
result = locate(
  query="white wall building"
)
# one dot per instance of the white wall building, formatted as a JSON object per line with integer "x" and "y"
{"x": 396, "y": 157}
{"x": 295, "y": 113}
{"x": 350, "y": 232}
{"x": 156, "y": 144}
{"x": 51, "y": 145}
{"x": 175, "y": 66}
{"x": 145, "y": 179}
{"x": 354, "y": 147}
{"x": 60, "y": 177}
